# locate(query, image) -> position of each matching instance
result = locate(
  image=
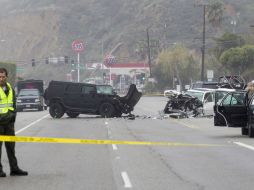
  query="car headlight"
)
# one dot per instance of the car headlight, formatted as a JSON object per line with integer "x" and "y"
{"x": 19, "y": 101}
{"x": 37, "y": 100}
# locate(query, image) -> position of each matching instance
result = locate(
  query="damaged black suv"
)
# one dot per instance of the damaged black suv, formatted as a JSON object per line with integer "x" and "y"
{"x": 82, "y": 98}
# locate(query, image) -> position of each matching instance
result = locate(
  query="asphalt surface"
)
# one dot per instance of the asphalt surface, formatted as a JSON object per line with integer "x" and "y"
{"x": 198, "y": 155}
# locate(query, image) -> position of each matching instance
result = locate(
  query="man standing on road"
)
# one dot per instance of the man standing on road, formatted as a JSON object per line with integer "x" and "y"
{"x": 7, "y": 121}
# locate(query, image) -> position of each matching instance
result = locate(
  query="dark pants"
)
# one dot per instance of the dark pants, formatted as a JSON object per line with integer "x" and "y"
{"x": 8, "y": 129}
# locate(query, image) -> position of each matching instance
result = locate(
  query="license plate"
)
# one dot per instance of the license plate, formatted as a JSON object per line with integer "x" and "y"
{"x": 28, "y": 106}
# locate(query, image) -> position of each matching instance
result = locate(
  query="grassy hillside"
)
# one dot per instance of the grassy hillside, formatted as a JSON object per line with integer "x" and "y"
{"x": 39, "y": 29}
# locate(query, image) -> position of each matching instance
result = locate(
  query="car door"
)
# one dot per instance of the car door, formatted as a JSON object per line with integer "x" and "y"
{"x": 231, "y": 111}
{"x": 89, "y": 98}
{"x": 72, "y": 95}
{"x": 208, "y": 103}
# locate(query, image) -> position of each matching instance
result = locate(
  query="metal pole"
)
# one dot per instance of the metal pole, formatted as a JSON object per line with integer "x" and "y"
{"x": 78, "y": 66}
{"x": 203, "y": 47}
{"x": 149, "y": 52}
{"x": 110, "y": 75}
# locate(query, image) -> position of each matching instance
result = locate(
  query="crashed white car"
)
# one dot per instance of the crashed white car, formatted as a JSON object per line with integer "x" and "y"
{"x": 206, "y": 96}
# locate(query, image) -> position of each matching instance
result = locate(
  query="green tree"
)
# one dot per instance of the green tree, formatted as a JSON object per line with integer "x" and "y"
{"x": 239, "y": 60}
{"x": 176, "y": 63}
{"x": 227, "y": 41}
{"x": 214, "y": 12}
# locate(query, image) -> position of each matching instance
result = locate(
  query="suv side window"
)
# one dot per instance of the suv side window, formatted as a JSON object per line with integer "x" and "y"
{"x": 87, "y": 89}
{"x": 72, "y": 89}
{"x": 234, "y": 99}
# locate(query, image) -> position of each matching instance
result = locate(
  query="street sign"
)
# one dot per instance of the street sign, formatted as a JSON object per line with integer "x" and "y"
{"x": 78, "y": 46}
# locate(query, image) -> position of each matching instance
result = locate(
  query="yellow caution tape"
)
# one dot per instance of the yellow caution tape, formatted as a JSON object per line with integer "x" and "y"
{"x": 91, "y": 141}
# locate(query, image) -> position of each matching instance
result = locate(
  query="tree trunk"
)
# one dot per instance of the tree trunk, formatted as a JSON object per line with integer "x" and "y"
{"x": 178, "y": 77}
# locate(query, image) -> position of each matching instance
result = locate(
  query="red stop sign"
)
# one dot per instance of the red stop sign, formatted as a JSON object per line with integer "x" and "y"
{"x": 78, "y": 46}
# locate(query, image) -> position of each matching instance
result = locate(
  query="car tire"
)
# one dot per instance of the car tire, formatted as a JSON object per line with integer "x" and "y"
{"x": 72, "y": 114}
{"x": 56, "y": 110}
{"x": 250, "y": 131}
{"x": 245, "y": 131}
{"x": 107, "y": 110}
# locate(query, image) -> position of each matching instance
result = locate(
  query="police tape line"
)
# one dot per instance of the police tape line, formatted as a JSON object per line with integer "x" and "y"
{"x": 92, "y": 141}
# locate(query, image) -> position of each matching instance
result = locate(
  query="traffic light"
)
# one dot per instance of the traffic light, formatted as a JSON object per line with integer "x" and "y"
{"x": 142, "y": 77}
{"x": 33, "y": 62}
{"x": 47, "y": 60}
{"x": 66, "y": 59}
{"x": 72, "y": 64}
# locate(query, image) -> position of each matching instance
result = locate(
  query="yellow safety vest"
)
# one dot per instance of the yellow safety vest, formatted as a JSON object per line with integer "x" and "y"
{"x": 6, "y": 102}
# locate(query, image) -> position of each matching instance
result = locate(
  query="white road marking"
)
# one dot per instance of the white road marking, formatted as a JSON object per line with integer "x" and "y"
{"x": 114, "y": 147}
{"x": 38, "y": 120}
{"x": 126, "y": 180}
{"x": 244, "y": 145}
{"x": 186, "y": 125}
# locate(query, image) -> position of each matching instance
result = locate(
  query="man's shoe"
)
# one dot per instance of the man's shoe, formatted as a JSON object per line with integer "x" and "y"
{"x": 18, "y": 172}
{"x": 2, "y": 174}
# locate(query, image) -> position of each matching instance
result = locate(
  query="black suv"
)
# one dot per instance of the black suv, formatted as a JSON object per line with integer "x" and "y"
{"x": 234, "y": 109}
{"x": 82, "y": 98}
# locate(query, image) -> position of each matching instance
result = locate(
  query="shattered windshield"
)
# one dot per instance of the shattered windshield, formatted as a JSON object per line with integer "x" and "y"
{"x": 198, "y": 95}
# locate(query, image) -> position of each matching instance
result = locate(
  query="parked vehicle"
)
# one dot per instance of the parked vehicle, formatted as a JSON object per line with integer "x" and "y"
{"x": 235, "y": 110}
{"x": 206, "y": 97}
{"x": 29, "y": 99}
{"x": 83, "y": 98}
{"x": 31, "y": 84}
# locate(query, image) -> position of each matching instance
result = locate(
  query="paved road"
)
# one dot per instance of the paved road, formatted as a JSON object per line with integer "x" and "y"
{"x": 222, "y": 162}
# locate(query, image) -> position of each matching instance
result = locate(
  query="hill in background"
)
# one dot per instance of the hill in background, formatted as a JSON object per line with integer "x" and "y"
{"x": 40, "y": 29}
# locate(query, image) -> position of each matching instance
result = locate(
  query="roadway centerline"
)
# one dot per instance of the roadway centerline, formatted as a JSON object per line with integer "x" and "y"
{"x": 244, "y": 145}
{"x": 31, "y": 124}
{"x": 126, "y": 180}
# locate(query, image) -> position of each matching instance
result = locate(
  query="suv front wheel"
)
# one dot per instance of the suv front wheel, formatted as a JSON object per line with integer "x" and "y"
{"x": 56, "y": 110}
{"x": 107, "y": 110}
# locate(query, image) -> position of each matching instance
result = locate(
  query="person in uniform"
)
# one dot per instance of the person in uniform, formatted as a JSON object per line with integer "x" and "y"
{"x": 7, "y": 121}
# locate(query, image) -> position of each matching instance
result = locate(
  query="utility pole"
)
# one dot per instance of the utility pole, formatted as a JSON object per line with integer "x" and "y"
{"x": 149, "y": 52}
{"x": 203, "y": 45}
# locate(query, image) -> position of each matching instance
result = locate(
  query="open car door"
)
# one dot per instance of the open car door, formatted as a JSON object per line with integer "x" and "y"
{"x": 231, "y": 110}
{"x": 131, "y": 99}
